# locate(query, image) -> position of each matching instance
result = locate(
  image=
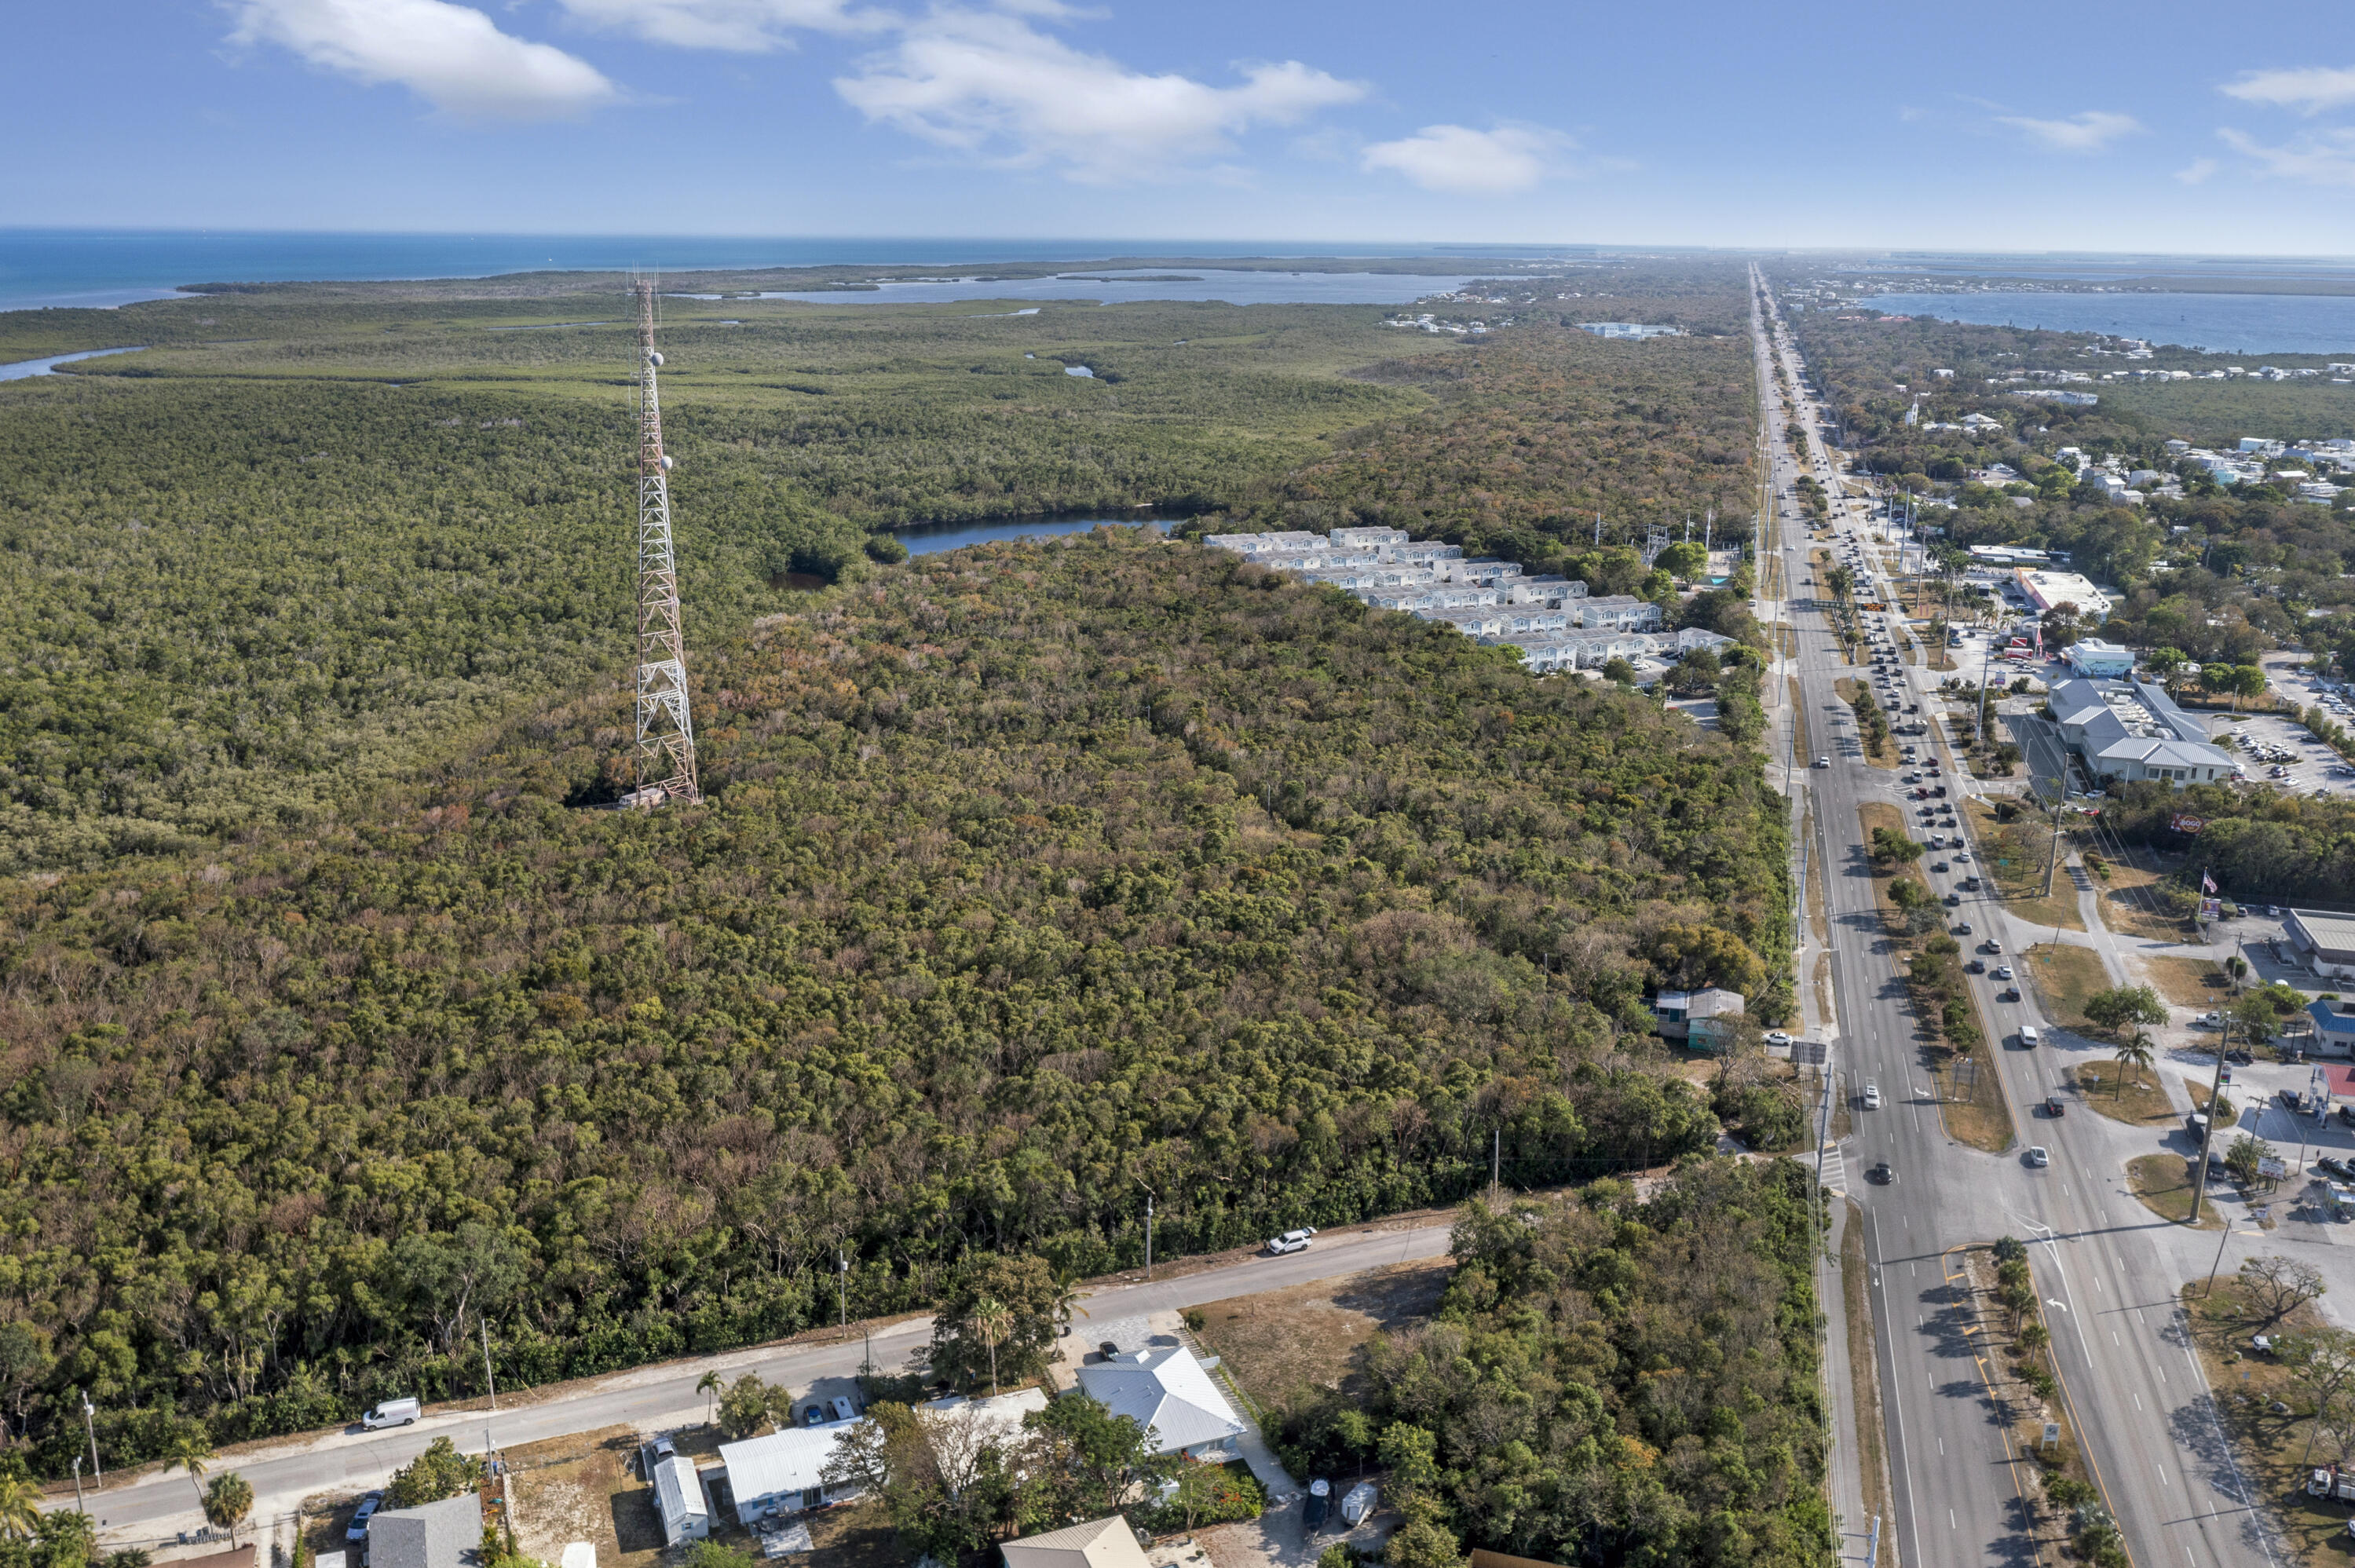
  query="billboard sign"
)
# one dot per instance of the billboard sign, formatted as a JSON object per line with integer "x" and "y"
{"x": 2184, "y": 822}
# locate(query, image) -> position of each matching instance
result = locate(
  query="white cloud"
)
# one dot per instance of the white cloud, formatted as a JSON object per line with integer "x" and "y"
{"x": 993, "y": 86}
{"x": 1464, "y": 161}
{"x": 2197, "y": 171}
{"x": 2088, "y": 132}
{"x": 741, "y": 25}
{"x": 2323, "y": 158}
{"x": 2309, "y": 88}
{"x": 454, "y": 57}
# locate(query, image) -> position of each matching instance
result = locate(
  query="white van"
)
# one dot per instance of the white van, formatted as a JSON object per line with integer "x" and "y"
{"x": 2028, "y": 1038}
{"x": 393, "y": 1412}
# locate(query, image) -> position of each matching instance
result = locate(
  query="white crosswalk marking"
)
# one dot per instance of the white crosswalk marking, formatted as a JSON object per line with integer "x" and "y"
{"x": 1835, "y": 1170}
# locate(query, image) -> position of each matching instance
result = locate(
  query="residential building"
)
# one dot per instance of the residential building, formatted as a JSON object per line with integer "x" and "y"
{"x": 1543, "y": 590}
{"x": 2325, "y": 941}
{"x": 1100, "y": 1543}
{"x": 1703, "y": 1020}
{"x": 784, "y": 1471}
{"x": 679, "y": 1499}
{"x": 1616, "y": 613}
{"x": 1629, "y": 329}
{"x": 2132, "y": 730}
{"x": 447, "y": 1534}
{"x": 1167, "y": 1389}
{"x": 2093, "y": 658}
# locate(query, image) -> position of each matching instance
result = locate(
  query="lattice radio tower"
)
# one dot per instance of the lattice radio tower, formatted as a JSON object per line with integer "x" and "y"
{"x": 665, "y": 749}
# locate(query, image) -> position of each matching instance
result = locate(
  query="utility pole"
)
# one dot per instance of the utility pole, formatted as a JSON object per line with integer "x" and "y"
{"x": 76, "y": 1473}
{"x": 1149, "y": 1196}
{"x": 1496, "y": 1162}
{"x": 842, "y": 1287}
{"x": 666, "y": 733}
{"x": 2208, "y": 1139}
{"x": 488, "y": 1381}
{"x": 89, "y": 1424}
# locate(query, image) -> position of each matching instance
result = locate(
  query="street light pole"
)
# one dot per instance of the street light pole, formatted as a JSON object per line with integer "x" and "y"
{"x": 2207, "y": 1139}
{"x": 76, "y": 1473}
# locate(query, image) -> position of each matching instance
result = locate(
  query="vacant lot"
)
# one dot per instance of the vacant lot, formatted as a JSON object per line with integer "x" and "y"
{"x": 2186, "y": 982}
{"x": 585, "y": 1488}
{"x": 2132, "y": 902}
{"x": 2271, "y": 1445}
{"x": 2065, "y": 976}
{"x": 1309, "y": 1335}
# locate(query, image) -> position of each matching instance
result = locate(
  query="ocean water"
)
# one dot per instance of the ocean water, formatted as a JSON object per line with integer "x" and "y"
{"x": 1115, "y": 286}
{"x": 2221, "y": 323}
{"x": 112, "y": 267}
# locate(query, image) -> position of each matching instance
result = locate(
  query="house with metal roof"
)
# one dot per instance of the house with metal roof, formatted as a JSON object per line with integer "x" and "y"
{"x": 784, "y": 1471}
{"x": 1099, "y": 1544}
{"x": 1167, "y": 1389}
{"x": 2333, "y": 1026}
{"x": 678, "y": 1498}
{"x": 1704, "y": 1019}
{"x": 2132, "y": 730}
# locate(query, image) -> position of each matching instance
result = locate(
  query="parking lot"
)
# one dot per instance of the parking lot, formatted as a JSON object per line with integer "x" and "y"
{"x": 2281, "y": 752}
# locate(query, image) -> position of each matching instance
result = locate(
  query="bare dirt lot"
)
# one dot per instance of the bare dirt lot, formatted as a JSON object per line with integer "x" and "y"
{"x": 585, "y": 1488}
{"x": 1309, "y": 1335}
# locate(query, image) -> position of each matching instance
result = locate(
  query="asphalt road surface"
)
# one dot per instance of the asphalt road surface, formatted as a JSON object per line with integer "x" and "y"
{"x": 2107, "y": 1269}
{"x": 154, "y": 1507}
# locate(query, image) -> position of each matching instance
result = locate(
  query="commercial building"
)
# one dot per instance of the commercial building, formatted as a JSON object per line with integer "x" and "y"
{"x": 2130, "y": 731}
{"x": 2093, "y": 658}
{"x": 2327, "y": 941}
{"x": 2049, "y": 591}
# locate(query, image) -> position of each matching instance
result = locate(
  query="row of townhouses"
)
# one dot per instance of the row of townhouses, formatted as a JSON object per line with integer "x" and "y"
{"x": 1552, "y": 620}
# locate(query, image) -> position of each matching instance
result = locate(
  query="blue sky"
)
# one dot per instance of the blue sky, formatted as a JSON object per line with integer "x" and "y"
{"x": 2105, "y": 127}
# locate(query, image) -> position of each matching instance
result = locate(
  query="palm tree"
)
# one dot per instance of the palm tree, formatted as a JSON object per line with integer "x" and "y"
{"x": 188, "y": 1450}
{"x": 991, "y": 1320}
{"x": 711, "y": 1385}
{"x": 2135, "y": 1052}
{"x": 20, "y": 1507}
{"x": 227, "y": 1501}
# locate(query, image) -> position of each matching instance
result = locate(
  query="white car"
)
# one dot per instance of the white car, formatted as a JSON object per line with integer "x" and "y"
{"x": 2003, "y": 971}
{"x": 1291, "y": 1241}
{"x": 1823, "y": 762}
{"x": 1873, "y": 1096}
{"x": 1777, "y": 1037}
{"x": 2039, "y": 1155}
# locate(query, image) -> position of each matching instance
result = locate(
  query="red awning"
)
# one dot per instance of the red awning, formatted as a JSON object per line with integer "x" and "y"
{"x": 2342, "y": 1081}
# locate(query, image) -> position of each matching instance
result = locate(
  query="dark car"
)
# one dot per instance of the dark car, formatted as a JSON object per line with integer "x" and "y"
{"x": 2054, "y": 1107}
{"x": 2240, "y": 1058}
{"x": 1882, "y": 1174}
{"x": 1975, "y": 966}
{"x": 1940, "y": 791}
{"x": 2331, "y": 1168}
{"x": 2008, "y": 994}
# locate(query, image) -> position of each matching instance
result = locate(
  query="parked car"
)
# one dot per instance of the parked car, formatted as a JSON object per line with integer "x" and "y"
{"x": 1319, "y": 1504}
{"x": 2333, "y": 1169}
{"x": 1777, "y": 1037}
{"x": 362, "y": 1514}
{"x": 2209, "y": 1020}
{"x": 843, "y": 1409}
{"x": 1291, "y": 1241}
{"x": 2239, "y": 1058}
{"x": 393, "y": 1412}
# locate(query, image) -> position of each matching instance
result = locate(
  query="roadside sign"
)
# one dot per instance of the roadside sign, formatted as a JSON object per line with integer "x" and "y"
{"x": 2052, "y": 1434}
{"x": 2273, "y": 1167}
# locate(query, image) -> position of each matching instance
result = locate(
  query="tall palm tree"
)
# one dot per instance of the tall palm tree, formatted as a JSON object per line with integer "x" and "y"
{"x": 20, "y": 1507}
{"x": 227, "y": 1501}
{"x": 2134, "y": 1053}
{"x": 190, "y": 1450}
{"x": 992, "y": 1321}
{"x": 711, "y": 1385}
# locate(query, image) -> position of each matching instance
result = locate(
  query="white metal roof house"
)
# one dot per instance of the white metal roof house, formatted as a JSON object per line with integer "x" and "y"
{"x": 782, "y": 1473}
{"x": 679, "y": 1499}
{"x": 1100, "y": 1543}
{"x": 1168, "y": 1390}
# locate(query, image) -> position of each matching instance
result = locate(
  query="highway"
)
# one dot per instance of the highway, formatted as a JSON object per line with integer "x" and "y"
{"x": 2107, "y": 1268}
{"x": 153, "y": 1507}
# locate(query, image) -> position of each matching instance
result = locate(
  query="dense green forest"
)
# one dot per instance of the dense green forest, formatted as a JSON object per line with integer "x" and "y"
{"x": 1030, "y": 871}
{"x": 1608, "y": 1380}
